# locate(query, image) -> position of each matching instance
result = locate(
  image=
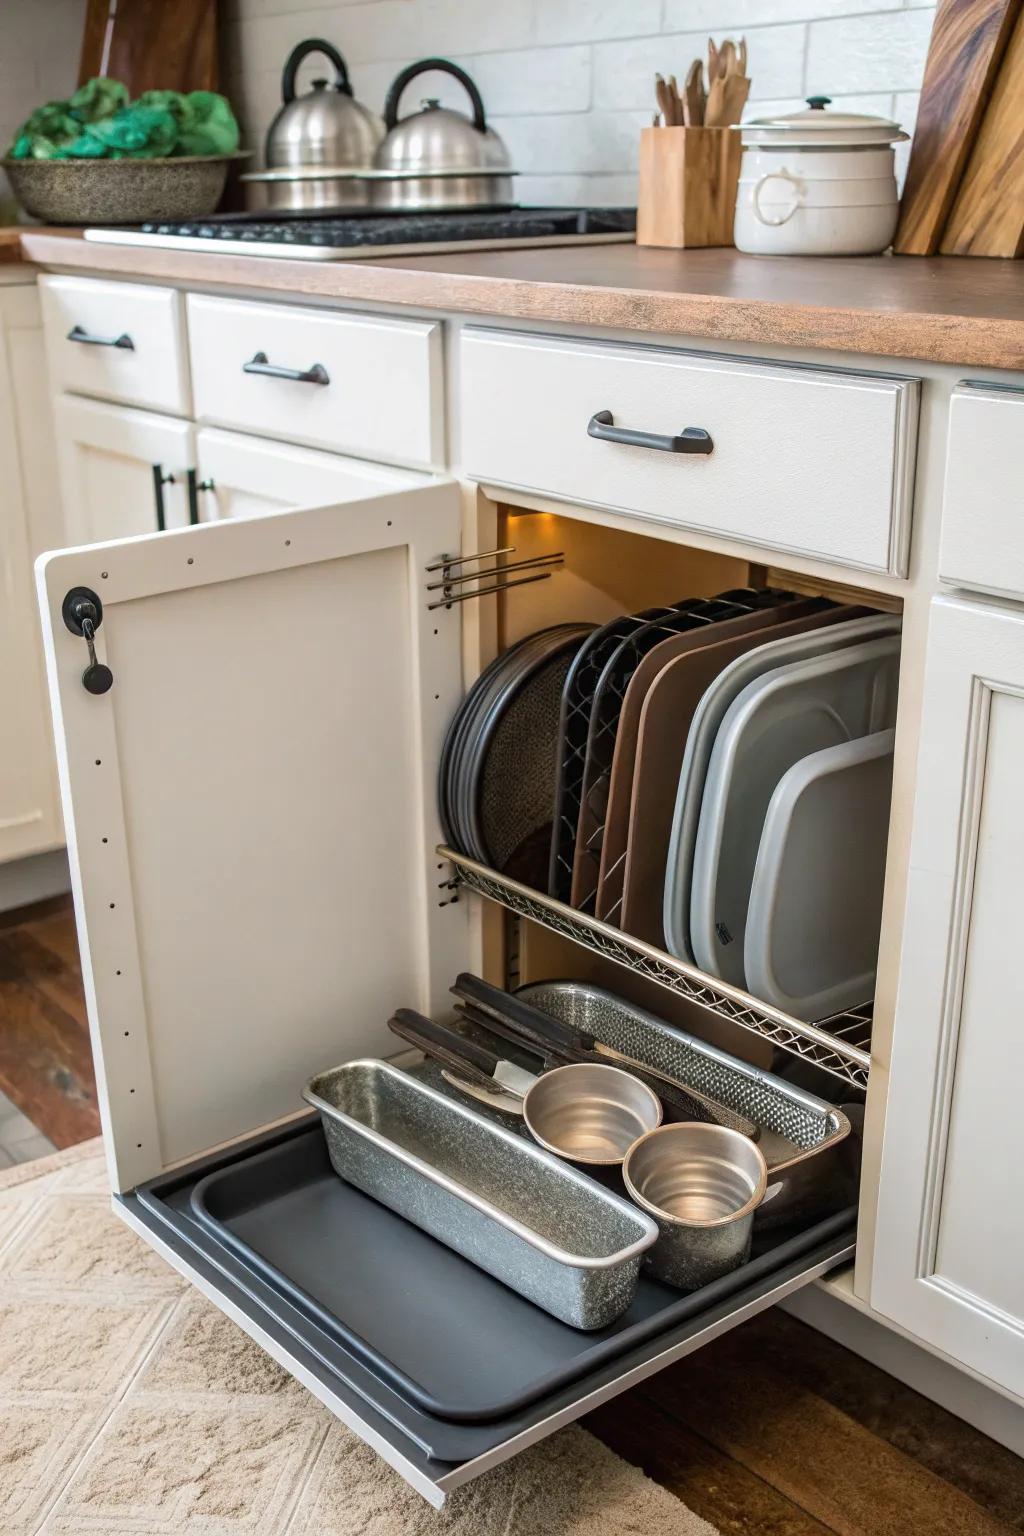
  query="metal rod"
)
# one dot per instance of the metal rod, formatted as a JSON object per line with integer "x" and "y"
{"x": 826, "y": 1049}
{"x": 464, "y": 597}
{"x": 486, "y": 554}
{"x": 497, "y": 570}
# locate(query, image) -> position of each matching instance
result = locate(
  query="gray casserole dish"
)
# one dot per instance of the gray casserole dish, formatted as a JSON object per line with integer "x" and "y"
{"x": 531, "y": 1220}
{"x": 801, "y": 1136}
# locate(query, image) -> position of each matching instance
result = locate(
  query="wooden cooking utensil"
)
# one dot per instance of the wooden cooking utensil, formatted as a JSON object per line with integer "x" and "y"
{"x": 664, "y": 100}
{"x": 693, "y": 96}
{"x": 969, "y": 38}
{"x": 726, "y": 100}
{"x": 988, "y": 215}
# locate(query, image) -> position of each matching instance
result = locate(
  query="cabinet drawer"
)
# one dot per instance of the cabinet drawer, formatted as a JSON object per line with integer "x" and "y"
{"x": 437, "y": 1454}
{"x": 358, "y": 384}
{"x": 803, "y": 460}
{"x": 117, "y": 341}
{"x": 243, "y": 476}
{"x": 982, "y": 542}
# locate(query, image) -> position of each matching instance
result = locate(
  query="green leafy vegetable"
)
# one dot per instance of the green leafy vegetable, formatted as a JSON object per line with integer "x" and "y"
{"x": 99, "y": 122}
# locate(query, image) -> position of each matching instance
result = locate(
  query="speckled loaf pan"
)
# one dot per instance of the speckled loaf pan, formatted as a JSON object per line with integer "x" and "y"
{"x": 534, "y": 1222}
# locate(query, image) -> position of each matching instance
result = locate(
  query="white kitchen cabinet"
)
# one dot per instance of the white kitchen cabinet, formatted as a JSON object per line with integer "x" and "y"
{"x": 30, "y": 819}
{"x": 243, "y": 476}
{"x": 117, "y": 341}
{"x": 110, "y": 457}
{"x": 367, "y": 385}
{"x": 983, "y": 501}
{"x": 812, "y": 461}
{"x": 949, "y": 1246}
{"x": 253, "y": 830}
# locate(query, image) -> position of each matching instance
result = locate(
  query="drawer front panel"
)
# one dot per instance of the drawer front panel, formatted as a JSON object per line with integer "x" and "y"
{"x": 117, "y": 341}
{"x": 243, "y": 476}
{"x": 813, "y": 462}
{"x": 357, "y": 384}
{"x": 983, "y": 506}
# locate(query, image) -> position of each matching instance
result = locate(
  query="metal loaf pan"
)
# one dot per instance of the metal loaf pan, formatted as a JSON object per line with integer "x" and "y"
{"x": 804, "y": 1140}
{"x": 532, "y": 1221}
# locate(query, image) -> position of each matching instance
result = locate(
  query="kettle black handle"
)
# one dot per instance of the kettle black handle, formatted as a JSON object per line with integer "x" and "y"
{"x": 410, "y": 72}
{"x": 295, "y": 58}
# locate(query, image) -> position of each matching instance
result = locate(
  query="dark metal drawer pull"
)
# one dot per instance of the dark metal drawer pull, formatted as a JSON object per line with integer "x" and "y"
{"x": 194, "y": 485}
{"x": 123, "y": 341}
{"x": 316, "y": 375}
{"x": 159, "y": 481}
{"x": 689, "y": 440}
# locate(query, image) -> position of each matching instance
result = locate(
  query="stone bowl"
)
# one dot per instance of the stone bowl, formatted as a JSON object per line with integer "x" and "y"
{"x": 119, "y": 191}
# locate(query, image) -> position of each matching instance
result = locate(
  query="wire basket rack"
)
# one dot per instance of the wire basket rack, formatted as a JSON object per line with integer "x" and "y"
{"x": 840, "y": 1045}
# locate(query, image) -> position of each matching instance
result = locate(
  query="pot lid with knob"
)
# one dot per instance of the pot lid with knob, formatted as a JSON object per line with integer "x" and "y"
{"x": 437, "y": 138}
{"x": 815, "y": 127}
{"x": 326, "y": 126}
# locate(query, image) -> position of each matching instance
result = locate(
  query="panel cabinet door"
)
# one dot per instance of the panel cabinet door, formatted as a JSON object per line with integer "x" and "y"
{"x": 109, "y": 455}
{"x": 949, "y": 1253}
{"x": 29, "y": 805}
{"x": 250, "y": 807}
{"x": 243, "y": 476}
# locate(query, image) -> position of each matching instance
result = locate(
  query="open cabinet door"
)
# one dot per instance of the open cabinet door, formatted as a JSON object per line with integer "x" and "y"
{"x": 250, "y": 808}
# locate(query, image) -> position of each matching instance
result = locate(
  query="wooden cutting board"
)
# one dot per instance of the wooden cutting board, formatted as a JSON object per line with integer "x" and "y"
{"x": 163, "y": 45}
{"x": 969, "y": 39}
{"x": 988, "y": 214}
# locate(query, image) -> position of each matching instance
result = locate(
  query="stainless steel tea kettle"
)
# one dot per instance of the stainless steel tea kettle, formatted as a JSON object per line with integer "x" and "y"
{"x": 437, "y": 158}
{"x": 312, "y": 135}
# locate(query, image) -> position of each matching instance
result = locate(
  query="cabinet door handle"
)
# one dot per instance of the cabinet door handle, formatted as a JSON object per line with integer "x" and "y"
{"x": 124, "y": 341}
{"x": 316, "y": 375}
{"x": 159, "y": 481}
{"x": 195, "y": 485}
{"x": 689, "y": 440}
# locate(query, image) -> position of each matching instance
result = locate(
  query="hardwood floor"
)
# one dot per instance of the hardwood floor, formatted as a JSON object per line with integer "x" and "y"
{"x": 772, "y": 1430}
{"x": 45, "y": 1060}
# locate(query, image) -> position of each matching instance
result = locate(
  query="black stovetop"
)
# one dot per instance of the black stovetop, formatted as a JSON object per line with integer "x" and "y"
{"x": 375, "y": 228}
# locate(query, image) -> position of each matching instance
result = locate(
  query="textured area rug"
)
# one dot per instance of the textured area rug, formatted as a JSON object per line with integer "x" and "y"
{"x": 129, "y": 1406}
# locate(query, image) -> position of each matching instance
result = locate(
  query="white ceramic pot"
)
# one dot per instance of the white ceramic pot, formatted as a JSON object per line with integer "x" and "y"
{"x": 817, "y": 183}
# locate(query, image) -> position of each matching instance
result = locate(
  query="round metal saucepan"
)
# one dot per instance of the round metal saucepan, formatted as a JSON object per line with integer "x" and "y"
{"x": 590, "y": 1113}
{"x": 702, "y": 1184}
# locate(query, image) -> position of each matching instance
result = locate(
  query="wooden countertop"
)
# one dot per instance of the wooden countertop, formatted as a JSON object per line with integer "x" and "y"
{"x": 10, "y": 245}
{"x": 947, "y": 309}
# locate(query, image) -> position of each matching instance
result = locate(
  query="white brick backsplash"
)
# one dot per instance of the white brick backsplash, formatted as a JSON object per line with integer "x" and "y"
{"x": 722, "y": 15}
{"x": 588, "y": 21}
{"x": 389, "y": 29}
{"x": 624, "y": 72}
{"x": 581, "y": 143}
{"x": 885, "y": 52}
{"x": 535, "y": 80}
{"x": 577, "y": 191}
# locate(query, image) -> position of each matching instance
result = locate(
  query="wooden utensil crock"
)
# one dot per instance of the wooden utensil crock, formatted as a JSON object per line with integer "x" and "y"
{"x": 687, "y": 191}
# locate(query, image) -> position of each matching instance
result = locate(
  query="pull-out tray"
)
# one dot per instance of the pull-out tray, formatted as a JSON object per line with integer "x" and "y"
{"x": 381, "y": 1315}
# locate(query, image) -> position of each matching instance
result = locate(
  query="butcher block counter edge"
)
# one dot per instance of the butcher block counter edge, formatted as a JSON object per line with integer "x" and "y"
{"x": 942, "y": 309}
